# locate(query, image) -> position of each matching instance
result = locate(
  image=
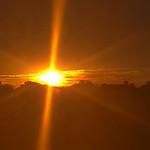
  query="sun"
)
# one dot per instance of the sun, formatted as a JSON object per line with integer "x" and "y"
{"x": 53, "y": 78}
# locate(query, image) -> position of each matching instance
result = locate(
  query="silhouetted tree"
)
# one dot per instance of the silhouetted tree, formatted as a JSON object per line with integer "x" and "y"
{"x": 85, "y": 82}
{"x": 148, "y": 83}
{"x": 125, "y": 83}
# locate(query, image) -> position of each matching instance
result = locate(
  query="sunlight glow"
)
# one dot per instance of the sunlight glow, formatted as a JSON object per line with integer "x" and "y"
{"x": 52, "y": 78}
{"x": 58, "y": 78}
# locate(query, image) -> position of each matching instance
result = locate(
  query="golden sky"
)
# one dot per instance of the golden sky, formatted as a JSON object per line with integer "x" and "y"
{"x": 100, "y": 76}
{"x": 94, "y": 35}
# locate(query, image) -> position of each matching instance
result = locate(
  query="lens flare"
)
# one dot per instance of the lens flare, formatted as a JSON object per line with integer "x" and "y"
{"x": 52, "y": 78}
{"x": 44, "y": 137}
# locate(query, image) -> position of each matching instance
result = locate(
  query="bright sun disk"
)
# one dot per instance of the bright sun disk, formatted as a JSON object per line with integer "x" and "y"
{"x": 52, "y": 78}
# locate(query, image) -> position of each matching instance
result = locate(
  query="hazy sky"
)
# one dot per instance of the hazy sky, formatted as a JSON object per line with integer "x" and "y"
{"x": 95, "y": 34}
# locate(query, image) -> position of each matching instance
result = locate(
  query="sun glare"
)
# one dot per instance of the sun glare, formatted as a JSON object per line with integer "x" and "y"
{"x": 52, "y": 78}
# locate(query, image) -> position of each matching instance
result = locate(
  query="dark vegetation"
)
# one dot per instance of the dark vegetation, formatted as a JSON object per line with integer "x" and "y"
{"x": 84, "y": 117}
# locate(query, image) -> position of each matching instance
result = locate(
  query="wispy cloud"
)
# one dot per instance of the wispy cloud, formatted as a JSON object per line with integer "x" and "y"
{"x": 117, "y": 75}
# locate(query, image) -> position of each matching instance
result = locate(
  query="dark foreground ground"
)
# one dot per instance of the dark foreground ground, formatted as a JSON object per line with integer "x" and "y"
{"x": 84, "y": 117}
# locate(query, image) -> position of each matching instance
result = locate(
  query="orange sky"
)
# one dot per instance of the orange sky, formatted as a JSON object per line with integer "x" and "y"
{"x": 94, "y": 35}
{"x": 115, "y": 76}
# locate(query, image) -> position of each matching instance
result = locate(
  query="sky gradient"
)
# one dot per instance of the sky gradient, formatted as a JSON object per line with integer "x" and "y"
{"x": 94, "y": 35}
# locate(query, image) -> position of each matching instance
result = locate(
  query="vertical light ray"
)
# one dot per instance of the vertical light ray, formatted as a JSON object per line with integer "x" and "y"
{"x": 58, "y": 6}
{"x": 44, "y": 137}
